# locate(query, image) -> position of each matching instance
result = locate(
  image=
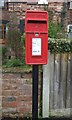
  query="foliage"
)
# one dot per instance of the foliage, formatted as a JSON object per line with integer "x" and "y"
{"x": 14, "y": 63}
{"x": 14, "y": 40}
{"x": 13, "y": 37}
{"x": 4, "y": 49}
{"x": 23, "y": 39}
{"x": 18, "y": 46}
{"x": 54, "y": 30}
{"x": 0, "y": 50}
{"x": 63, "y": 14}
{"x": 40, "y": 113}
{"x": 60, "y": 45}
{"x": 23, "y": 46}
{"x": 3, "y": 53}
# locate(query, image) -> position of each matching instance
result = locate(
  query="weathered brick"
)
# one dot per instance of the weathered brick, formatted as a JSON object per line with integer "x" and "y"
{"x": 25, "y": 98}
{"x": 10, "y": 104}
{"x": 10, "y": 93}
{"x": 5, "y": 81}
{"x": 6, "y": 86}
{"x": 9, "y": 98}
{"x": 25, "y": 81}
{"x": 27, "y": 76}
{"x": 10, "y": 76}
{"x": 25, "y": 87}
{"x": 14, "y": 81}
{"x": 25, "y": 92}
{"x": 24, "y": 104}
{"x": 16, "y": 95}
{"x": 24, "y": 110}
{"x": 9, "y": 110}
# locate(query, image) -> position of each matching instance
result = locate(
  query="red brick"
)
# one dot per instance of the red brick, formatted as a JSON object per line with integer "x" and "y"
{"x": 19, "y": 88}
{"x": 25, "y": 98}
{"x": 24, "y": 110}
{"x": 10, "y": 104}
{"x": 10, "y": 93}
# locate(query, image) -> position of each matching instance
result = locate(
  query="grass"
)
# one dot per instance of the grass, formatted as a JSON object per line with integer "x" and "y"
{"x": 19, "y": 69}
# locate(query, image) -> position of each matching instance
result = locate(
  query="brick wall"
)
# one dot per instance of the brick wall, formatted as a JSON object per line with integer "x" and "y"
{"x": 20, "y": 9}
{"x": 16, "y": 95}
{"x": 56, "y": 8}
{"x": 69, "y": 14}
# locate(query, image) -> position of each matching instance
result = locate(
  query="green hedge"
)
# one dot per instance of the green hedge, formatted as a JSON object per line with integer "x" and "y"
{"x": 14, "y": 63}
{"x": 59, "y": 45}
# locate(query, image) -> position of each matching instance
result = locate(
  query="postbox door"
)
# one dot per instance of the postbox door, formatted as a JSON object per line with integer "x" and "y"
{"x": 36, "y": 48}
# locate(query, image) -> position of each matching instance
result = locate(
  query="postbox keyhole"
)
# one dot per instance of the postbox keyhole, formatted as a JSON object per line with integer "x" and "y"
{"x": 36, "y": 34}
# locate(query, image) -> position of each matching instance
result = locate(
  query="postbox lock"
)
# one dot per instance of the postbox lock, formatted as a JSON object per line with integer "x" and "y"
{"x": 36, "y": 34}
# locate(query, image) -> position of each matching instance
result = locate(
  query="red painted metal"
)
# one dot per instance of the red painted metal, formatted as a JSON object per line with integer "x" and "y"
{"x": 36, "y": 29}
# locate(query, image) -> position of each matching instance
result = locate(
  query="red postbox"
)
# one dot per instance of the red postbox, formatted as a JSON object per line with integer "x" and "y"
{"x": 36, "y": 29}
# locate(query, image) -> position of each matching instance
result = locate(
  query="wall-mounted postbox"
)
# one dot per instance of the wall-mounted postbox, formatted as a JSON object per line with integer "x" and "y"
{"x": 36, "y": 29}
